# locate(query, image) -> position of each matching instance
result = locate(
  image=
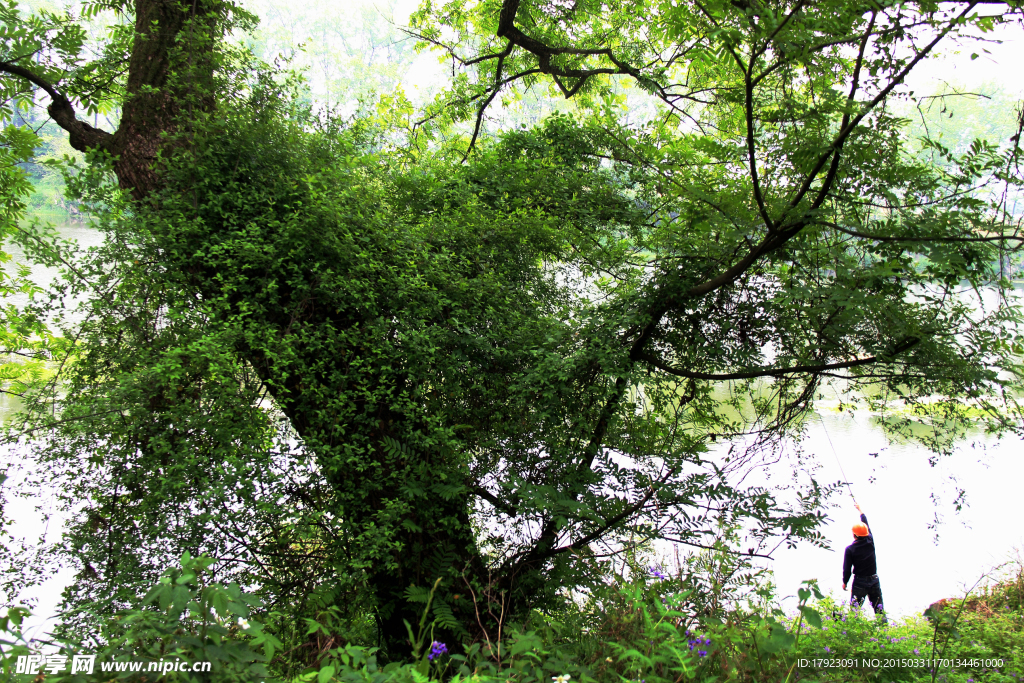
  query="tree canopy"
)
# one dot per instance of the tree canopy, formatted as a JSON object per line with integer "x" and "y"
{"x": 349, "y": 357}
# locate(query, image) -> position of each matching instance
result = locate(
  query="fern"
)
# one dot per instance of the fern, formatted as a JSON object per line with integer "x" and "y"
{"x": 417, "y": 594}
{"x": 449, "y": 491}
{"x": 440, "y": 563}
{"x": 397, "y": 449}
{"x": 444, "y": 617}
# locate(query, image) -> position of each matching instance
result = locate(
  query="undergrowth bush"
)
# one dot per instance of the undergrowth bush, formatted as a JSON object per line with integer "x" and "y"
{"x": 645, "y": 627}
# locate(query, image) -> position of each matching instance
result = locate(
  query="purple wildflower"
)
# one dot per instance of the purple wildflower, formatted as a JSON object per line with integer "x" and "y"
{"x": 656, "y": 572}
{"x": 436, "y": 650}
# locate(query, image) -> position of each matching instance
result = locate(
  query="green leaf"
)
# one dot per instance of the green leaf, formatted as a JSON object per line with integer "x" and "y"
{"x": 811, "y": 616}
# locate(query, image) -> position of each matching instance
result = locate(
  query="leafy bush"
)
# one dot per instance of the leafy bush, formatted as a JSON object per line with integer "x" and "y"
{"x": 180, "y": 619}
{"x": 637, "y": 629}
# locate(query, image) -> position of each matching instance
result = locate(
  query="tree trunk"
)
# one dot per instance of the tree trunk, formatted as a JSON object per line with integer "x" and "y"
{"x": 169, "y": 62}
{"x": 169, "y": 65}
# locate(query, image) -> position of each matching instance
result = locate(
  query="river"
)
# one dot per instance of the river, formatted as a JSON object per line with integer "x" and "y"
{"x": 918, "y": 561}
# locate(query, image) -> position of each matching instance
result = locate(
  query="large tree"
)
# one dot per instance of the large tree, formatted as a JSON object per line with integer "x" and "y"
{"x": 499, "y": 354}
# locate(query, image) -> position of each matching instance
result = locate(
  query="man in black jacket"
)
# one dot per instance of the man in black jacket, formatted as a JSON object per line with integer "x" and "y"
{"x": 860, "y": 559}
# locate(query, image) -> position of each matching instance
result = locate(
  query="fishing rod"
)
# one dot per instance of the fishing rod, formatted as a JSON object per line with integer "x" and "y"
{"x": 849, "y": 487}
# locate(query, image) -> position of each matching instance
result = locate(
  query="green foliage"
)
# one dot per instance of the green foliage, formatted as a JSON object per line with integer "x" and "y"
{"x": 761, "y": 646}
{"x": 25, "y": 340}
{"x": 181, "y": 618}
{"x": 417, "y": 314}
{"x": 948, "y": 635}
{"x": 353, "y": 364}
{"x": 55, "y": 44}
{"x": 637, "y": 628}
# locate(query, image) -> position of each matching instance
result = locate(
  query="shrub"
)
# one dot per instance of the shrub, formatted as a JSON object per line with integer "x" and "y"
{"x": 641, "y": 629}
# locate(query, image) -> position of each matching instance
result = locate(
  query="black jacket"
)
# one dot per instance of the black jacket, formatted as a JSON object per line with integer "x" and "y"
{"x": 860, "y": 558}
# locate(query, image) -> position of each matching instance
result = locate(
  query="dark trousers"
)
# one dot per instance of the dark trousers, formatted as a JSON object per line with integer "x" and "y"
{"x": 868, "y": 588}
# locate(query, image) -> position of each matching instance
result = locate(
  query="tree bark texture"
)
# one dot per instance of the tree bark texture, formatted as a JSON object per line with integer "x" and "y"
{"x": 164, "y": 31}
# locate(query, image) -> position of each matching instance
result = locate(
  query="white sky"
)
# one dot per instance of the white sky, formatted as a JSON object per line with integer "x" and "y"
{"x": 954, "y": 64}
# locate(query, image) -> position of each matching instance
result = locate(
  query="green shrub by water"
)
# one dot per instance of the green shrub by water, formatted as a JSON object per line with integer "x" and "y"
{"x": 648, "y": 629}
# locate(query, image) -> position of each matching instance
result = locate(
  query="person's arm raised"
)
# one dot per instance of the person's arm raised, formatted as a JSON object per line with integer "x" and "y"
{"x": 864, "y": 518}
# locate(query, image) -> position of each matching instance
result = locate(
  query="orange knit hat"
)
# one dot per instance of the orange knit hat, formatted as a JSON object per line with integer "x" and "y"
{"x": 860, "y": 529}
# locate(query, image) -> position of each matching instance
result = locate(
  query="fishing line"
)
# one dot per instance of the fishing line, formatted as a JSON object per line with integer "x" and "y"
{"x": 849, "y": 487}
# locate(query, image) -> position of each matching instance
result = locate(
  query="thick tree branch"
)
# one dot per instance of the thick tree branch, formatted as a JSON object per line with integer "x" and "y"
{"x": 81, "y": 135}
{"x": 748, "y": 106}
{"x": 730, "y": 273}
{"x": 611, "y": 522}
{"x": 543, "y": 551}
{"x": 495, "y": 501}
{"x": 32, "y": 78}
{"x": 544, "y": 53}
